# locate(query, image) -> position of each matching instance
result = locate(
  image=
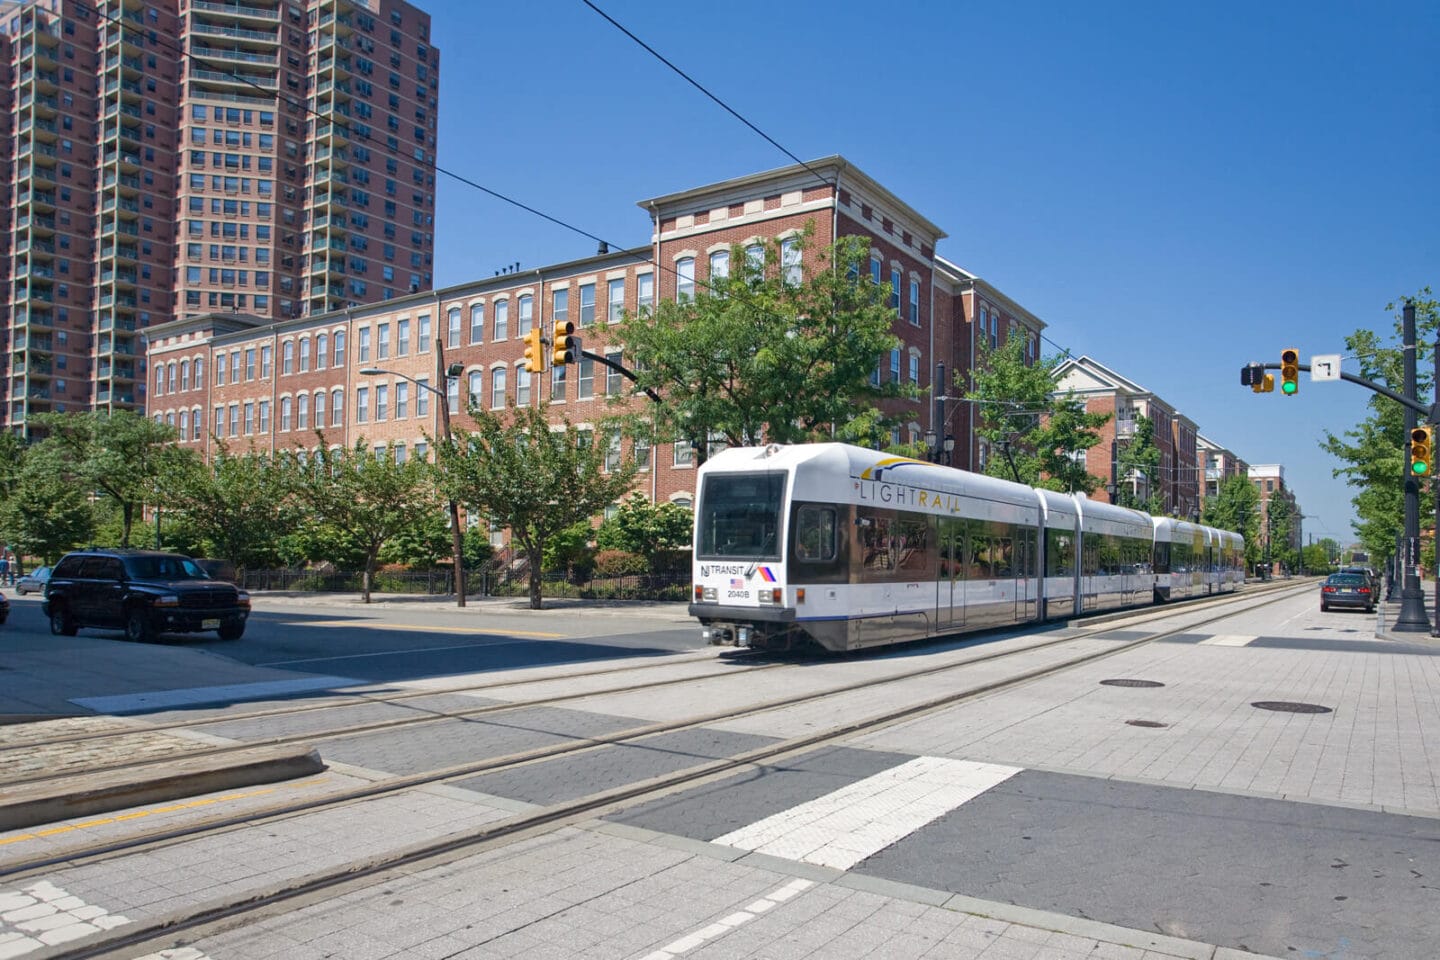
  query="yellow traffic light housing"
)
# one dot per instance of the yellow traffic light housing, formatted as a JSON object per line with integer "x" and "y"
{"x": 1422, "y": 451}
{"x": 566, "y": 346}
{"x": 534, "y": 351}
{"x": 1290, "y": 371}
{"x": 1263, "y": 383}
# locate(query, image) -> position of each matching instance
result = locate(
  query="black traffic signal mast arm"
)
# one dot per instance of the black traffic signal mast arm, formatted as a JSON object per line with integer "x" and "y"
{"x": 620, "y": 368}
{"x": 1429, "y": 412}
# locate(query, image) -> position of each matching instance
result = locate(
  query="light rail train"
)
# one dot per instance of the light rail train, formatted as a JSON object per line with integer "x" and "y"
{"x": 846, "y": 548}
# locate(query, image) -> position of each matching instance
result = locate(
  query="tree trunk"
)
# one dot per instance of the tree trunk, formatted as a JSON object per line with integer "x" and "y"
{"x": 126, "y": 514}
{"x": 365, "y": 578}
{"x": 535, "y": 556}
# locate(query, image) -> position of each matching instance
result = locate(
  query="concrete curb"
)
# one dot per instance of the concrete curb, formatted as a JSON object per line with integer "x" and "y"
{"x": 51, "y": 801}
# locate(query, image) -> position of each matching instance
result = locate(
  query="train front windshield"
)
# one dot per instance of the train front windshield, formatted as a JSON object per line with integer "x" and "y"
{"x": 739, "y": 516}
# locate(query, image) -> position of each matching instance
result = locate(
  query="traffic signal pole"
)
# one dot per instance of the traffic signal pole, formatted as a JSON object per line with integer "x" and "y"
{"x": 1412, "y": 617}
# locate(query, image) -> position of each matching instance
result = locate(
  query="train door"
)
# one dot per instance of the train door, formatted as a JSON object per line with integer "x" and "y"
{"x": 950, "y": 580}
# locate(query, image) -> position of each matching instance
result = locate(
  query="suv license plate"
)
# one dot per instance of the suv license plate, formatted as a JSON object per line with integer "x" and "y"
{"x": 209, "y": 624}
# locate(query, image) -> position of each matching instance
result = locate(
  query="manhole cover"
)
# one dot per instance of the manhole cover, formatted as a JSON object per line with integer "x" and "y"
{"x": 1283, "y": 706}
{"x": 1145, "y": 723}
{"x": 1123, "y": 682}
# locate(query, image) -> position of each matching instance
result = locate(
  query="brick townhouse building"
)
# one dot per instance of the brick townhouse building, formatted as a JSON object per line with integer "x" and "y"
{"x": 254, "y": 381}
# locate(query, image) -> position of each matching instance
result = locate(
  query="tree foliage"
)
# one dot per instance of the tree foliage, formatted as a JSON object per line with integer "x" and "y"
{"x": 650, "y": 530}
{"x": 239, "y": 503}
{"x": 45, "y": 514}
{"x": 1018, "y": 410}
{"x": 363, "y": 495}
{"x": 119, "y": 454}
{"x": 1236, "y": 507}
{"x": 519, "y": 471}
{"x": 1139, "y": 457}
{"x": 1373, "y": 451}
{"x": 757, "y": 355}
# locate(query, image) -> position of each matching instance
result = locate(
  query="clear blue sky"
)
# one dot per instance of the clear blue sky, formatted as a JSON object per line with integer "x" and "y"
{"x": 1175, "y": 189}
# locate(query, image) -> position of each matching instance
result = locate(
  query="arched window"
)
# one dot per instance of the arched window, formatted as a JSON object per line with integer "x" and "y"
{"x": 322, "y": 347}
{"x": 286, "y": 406}
{"x": 477, "y": 323}
{"x": 287, "y": 357}
{"x": 170, "y": 377}
{"x": 452, "y": 318}
{"x": 337, "y": 406}
{"x": 184, "y": 374}
{"x": 199, "y": 371}
{"x": 526, "y": 318}
{"x": 304, "y": 354}
{"x": 476, "y": 386}
{"x": 685, "y": 279}
{"x": 159, "y": 379}
{"x": 319, "y": 410}
{"x": 196, "y": 422}
{"x": 302, "y": 412}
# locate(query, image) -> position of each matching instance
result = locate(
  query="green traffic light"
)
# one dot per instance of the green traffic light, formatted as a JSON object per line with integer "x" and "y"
{"x": 1289, "y": 386}
{"x": 1419, "y": 466}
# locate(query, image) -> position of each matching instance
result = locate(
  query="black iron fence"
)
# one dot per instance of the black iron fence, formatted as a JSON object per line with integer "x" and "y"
{"x": 478, "y": 583}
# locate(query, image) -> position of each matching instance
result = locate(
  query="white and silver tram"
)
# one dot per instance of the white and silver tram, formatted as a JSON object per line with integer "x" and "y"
{"x": 844, "y": 548}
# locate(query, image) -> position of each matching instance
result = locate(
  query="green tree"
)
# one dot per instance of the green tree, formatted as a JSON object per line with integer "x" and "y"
{"x": 771, "y": 352}
{"x": 1236, "y": 507}
{"x": 1282, "y": 520}
{"x": 119, "y": 454}
{"x": 45, "y": 514}
{"x": 1018, "y": 412}
{"x": 424, "y": 543}
{"x": 522, "y": 473}
{"x": 363, "y": 495}
{"x": 650, "y": 530}
{"x": 1317, "y": 560}
{"x": 239, "y": 503}
{"x": 1139, "y": 458}
{"x": 1373, "y": 451}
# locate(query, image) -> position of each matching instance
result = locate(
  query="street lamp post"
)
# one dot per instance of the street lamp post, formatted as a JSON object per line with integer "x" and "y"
{"x": 443, "y": 375}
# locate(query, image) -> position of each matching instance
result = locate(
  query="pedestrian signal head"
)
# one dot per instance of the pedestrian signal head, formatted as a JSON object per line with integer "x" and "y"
{"x": 1422, "y": 451}
{"x": 1290, "y": 372}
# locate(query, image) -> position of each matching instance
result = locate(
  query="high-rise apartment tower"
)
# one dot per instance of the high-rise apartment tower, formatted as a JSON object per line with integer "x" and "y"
{"x": 168, "y": 158}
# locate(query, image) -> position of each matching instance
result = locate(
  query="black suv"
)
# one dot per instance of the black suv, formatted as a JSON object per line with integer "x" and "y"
{"x": 143, "y": 592}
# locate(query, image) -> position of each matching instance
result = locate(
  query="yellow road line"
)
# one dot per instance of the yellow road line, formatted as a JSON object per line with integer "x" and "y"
{"x": 137, "y": 814}
{"x": 366, "y": 625}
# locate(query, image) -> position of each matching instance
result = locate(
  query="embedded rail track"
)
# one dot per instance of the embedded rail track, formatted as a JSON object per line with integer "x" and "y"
{"x": 185, "y": 927}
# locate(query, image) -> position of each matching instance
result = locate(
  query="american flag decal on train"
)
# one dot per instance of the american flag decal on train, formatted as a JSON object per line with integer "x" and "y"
{"x": 736, "y": 583}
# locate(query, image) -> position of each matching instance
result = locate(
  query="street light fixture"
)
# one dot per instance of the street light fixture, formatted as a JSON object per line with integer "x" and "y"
{"x": 446, "y": 374}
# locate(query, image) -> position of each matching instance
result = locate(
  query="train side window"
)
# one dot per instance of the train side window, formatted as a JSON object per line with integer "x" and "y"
{"x": 876, "y": 551}
{"x": 815, "y": 534}
{"x": 915, "y": 552}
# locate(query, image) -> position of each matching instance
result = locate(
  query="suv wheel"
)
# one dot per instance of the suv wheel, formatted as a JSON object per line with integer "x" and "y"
{"x": 137, "y": 626}
{"x": 232, "y": 631}
{"x": 61, "y": 623}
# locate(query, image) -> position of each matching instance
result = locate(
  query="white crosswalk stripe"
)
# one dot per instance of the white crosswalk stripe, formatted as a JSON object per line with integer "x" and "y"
{"x": 844, "y": 827}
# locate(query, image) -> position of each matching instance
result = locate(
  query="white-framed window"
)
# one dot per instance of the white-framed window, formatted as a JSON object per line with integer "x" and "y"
{"x": 337, "y": 406}
{"x": 557, "y": 383}
{"x": 524, "y": 315}
{"x": 170, "y": 375}
{"x": 195, "y": 423}
{"x": 266, "y": 359}
{"x": 616, "y": 301}
{"x": 477, "y": 323}
{"x": 220, "y": 374}
{"x": 399, "y": 451}
{"x": 642, "y": 453}
{"x": 522, "y": 387}
{"x": 560, "y": 305}
{"x": 612, "y": 451}
{"x": 644, "y": 292}
{"x": 895, "y": 288}
{"x": 382, "y": 342}
{"x": 159, "y": 380}
{"x": 755, "y": 261}
{"x": 382, "y": 402}
{"x": 199, "y": 372}
{"x": 304, "y": 354}
{"x": 452, "y": 394}
{"x": 895, "y": 365}
{"x": 790, "y": 272}
{"x": 302, "y": 412}
{"x": 685, "y": 279}
{"x": 585, "y": 383}
{"x": 875, "y": 267}
{"x": 362, "y": 405}
{"x": 915, "y": 302}
{"x": 364, "y": 345}
{"x": 184, "y": 424}
{"x": 501, "y": 328}
{"x": 497, "y": 388}
{"x": 402, "y": 400}
{"x": 719, "y": 268}
{"x": 264, "y": 417}
{"x": 587, "y": 304}
{"x": 320, "y": 408}
{"x": 219, "y": 426}
{"x": 613, "y": 381}
{"x": 684, "y": 454}
{"x": 249, "y": 417}
{"x": 422, "y": 333}
{"x": 322, "y": 351}
{"x": 402, "y": 338}
{"x": 287, "y": 407}
{"x": 184, "y": 374}
{"x": 234, "y": 419}
{"x": 453, "y": 328}
{"x": 339, "y": 348}
{"x": 476, "y": 387}
{"x": 235, "y": 367}
{"x": 914, "y": 368}
{"x": 422, "y": 398}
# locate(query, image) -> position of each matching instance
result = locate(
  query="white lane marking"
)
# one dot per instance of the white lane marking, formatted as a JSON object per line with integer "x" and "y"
{"x": 723, "y": 926}
{"x": 41, "y": 914}
{"x": 844, "y": 827}
{"x": 234, "y": 691}
{"x": 406, "y": 653}
{"x": 1228, "y": 640}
